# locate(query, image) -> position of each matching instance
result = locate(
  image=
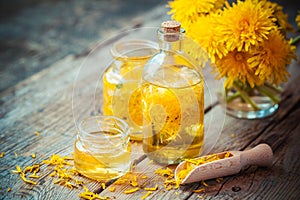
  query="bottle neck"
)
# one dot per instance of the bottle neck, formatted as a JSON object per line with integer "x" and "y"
{"x": 171, "y": 41}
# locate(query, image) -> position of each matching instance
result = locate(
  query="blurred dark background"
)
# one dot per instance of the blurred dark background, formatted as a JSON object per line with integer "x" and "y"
{"x": 36, "y": 33}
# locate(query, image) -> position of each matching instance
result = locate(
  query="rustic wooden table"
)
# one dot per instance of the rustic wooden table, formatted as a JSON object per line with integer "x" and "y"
{"x": 50, "y": 101}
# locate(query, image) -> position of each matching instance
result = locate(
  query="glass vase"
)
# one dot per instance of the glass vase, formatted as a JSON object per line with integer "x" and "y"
{"x": 242, "y": 101}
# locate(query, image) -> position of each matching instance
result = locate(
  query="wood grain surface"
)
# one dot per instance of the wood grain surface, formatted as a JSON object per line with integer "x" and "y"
{"x": 53, "y": 100}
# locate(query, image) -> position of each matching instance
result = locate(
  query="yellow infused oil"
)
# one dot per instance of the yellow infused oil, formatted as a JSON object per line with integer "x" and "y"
{"x": 121, "y": 91}
{"x": 103, "y": 154}
{"x": 121, "y": 94}
{"x": 101, "y": 166}
{"x": 173, "y": 102}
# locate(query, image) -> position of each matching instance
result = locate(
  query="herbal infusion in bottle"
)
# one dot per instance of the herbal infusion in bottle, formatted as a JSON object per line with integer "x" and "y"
{"x": 172, "y": 101}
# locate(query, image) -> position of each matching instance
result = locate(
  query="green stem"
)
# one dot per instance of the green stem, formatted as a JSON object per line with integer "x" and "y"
{"x": 295, "y": 40}
{"x": 245, "y": 96}
{"x": 232, "y": 97}
{"x": 269, "y": 94}
{"x": 271, "y": 87}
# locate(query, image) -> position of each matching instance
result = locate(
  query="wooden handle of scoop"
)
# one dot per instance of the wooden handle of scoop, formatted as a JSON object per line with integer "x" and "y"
{"x": 261, "y": 155}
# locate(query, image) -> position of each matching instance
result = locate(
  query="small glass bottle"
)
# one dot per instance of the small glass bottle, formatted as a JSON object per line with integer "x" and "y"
{"x": 102, "y": 149}
{"x": 173, "y": 101}
{"x": 121, "y": 80}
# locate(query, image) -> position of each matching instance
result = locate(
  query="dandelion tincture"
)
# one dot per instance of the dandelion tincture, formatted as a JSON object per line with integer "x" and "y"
{"x": 102, "y": 149}
{"x": 121, "y": 91}
{"x": 173, "y": 101}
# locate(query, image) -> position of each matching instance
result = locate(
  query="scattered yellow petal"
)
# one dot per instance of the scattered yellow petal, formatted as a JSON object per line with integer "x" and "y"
{"x": 70, "y": 185}
{"x": 134, "y": 182}
{"x": 16, "y": 155}
{"x": 144, "y": 177}
{"x": 204, "y": 183}
{"x": 34, "y": 176}
{"x": 18, "y": 168}
{"x": 219, "y": 180}
{"x": 78, "y": 182}
{"x": 33, "y": 155}
{"x": 130, "y": 191}
{"x": 8, "y": 189}
{"x": 150, "y": 162}
{"x": 34, "y": 168}
{"x": 165, "y": 172}
{"x": 52, "y": 174}
{"x": 37, "y": 133}
{"x": 103, "y": 186}
{"x": 169, "y": 187}
{"x": 2, "y": 154}
{"x": 152, "y": 189}
{"x": 168, "y": 175}
{"x": 87, "y": 194}
{"x": 22, "y": 175}
{"x": 112, "y": 189}
{"x": 199, "y": 190}
{"x": 232, "y": 135}
{"x": 59, "y": 181}
{"x": 67, "y": 158}
{"x": 146, "y": 195}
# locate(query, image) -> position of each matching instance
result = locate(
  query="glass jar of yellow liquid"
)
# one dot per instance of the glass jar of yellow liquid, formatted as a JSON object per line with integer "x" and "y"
{"x": 173, "y": 101}
{"x": 121, "y": 81}
{"x": 102, "y": 149}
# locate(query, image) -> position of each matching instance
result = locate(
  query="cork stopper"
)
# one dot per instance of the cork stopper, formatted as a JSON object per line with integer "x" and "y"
{"x": 171, "y": 26}
{"x": 171, "y": 29}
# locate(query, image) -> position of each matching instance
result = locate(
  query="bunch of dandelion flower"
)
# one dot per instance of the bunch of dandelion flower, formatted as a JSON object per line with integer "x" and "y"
{"x": 281, "y": 18}
{"x": 245, "y": 41}
{"x": 297, "y": 39}
{"x": 298, "y": 19}
{"x": 188, "y": 12}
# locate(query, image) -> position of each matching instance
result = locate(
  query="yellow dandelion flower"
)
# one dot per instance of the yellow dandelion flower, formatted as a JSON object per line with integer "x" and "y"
{"x": 188, "y": 11}
{"x": 205, "y": 32}
{"x": 281, "y": 17}
{"x": 298, "y": 20}
{"x": 234, "y": 66}
{"x": 270, "y": 61}
{"x": 246, "y": 24}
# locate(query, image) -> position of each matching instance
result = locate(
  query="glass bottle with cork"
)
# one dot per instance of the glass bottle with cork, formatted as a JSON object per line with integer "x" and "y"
{"x": 172, "y": 100}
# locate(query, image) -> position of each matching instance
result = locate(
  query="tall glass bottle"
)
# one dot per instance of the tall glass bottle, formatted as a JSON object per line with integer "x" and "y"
{"x": 172, "y": 101}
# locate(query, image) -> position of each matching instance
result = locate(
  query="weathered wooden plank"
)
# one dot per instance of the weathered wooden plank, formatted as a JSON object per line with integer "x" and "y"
{"x": 44, "y": 103}
{"x": 278, "y": 131}
{"x": 36, "y": 105}
{"x": 246, "y": 132}
{"x": 281, "y": 181}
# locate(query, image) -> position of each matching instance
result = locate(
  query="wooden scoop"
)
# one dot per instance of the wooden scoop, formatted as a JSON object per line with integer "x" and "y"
{"x": 260, "y": 155}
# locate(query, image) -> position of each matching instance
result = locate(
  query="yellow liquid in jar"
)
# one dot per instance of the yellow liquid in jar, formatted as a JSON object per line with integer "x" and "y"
{"x": 173, "y": 114}
{"x": 122, "y": 94}
{"x": 102, "y": 165}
